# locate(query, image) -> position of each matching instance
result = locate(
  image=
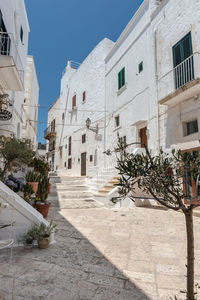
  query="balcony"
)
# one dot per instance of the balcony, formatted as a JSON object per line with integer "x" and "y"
{"x": 50, "y": 132}
{"x": 181, "y": 83}
{"x": 52, "y": 147}
{"x": 11, "y": 67}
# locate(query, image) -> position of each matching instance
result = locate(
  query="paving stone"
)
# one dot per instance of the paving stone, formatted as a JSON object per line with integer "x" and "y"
{"x": 103, "y": 254}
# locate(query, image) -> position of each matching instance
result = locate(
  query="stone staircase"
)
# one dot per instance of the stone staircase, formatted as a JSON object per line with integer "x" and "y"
{"x": 74, "y": 193}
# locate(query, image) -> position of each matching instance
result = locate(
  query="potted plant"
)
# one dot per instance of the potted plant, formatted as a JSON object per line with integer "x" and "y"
{"x": 42, "y": 193}
{"x": 33, "y": 179}
{"x": 29, "y": 237}
{"x": 44, "y": 233}
{"x": 28, "y": 191}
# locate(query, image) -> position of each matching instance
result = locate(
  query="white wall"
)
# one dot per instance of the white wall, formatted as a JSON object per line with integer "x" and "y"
{"x": 89, "y": 77}
{"x": 30, "y": 107}
{"x": 14, "y": 16}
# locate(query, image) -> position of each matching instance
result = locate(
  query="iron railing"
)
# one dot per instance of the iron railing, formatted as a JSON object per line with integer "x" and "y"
{"x": 74, "y": 65}
{"x": 50, "y": 130}
{"x": 8, "y": 47}
{"x": 181, "y": 75}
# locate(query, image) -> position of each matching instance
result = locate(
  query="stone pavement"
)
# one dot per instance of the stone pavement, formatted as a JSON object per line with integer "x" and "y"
{"x": 102, "y": 254}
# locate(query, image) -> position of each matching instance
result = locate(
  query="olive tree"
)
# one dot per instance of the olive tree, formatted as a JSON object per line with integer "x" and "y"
{"x": 163, "y": 177}
{"x": 15, "y": 150}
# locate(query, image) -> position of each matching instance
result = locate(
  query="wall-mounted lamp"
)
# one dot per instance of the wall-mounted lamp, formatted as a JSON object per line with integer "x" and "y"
{"x": 94, "y": 129}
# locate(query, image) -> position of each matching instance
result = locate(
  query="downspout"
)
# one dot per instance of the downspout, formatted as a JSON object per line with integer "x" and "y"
{"x": 105, "y": 116}
{"x": 156, "y": 83}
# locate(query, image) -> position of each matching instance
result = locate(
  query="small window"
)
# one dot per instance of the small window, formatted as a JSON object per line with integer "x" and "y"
{"x": 121, "y": 78}
{"x": 140, "y": 67}
{"x": 117, "y": 122}
{"x": 123, "y": 140}
{"x": 91, "y": 158}
{"x": 83, "y": 138}
{"x": 74, "y": 101}
{"x": 21, "y": 34}
{"x": 70, "y": 146}
{"x": 63, "y": 116}
{"x": 190, "y": 127}
{"x": 65, "y": 164}
{"x": 84, "y": 96}
{"x": 69, "y": 166}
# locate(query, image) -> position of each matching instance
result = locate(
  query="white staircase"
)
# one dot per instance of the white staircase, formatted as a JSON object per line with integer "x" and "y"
{"x": 74, "y": 193}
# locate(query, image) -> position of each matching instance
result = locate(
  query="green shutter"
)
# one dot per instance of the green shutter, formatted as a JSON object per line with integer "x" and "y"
{"x": 121, "y": 78}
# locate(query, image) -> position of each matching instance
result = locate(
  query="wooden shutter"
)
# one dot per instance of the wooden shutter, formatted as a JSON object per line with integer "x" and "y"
{"x": 74, "y": 101}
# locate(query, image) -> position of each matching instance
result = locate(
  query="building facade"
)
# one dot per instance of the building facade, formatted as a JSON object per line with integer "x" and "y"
{"x": 152, "y": 79}
{"x": 14, "y": 64}
{"x": 52, "y": 135}
{"x": 30, "y": 106}
{"x": 82, "y": 98}
{"x": 144, "y": 89}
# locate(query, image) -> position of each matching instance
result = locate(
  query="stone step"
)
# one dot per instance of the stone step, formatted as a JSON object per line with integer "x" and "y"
{"x": 76, "y": 196}
{"x": 72, "y": 188}
{"x": 67, "y": 178}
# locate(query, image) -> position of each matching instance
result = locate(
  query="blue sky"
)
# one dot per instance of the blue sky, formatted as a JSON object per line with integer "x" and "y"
{"x": 62, "y": 29}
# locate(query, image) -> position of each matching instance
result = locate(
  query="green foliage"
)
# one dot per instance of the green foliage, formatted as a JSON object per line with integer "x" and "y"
{"x": 43, "y": 188}
{"x": 30, "y": 235}
{"x": 32, "y": 177}
{"x": 37, "y": 232}
{"x": 45, "y": 231}
{"x": 28, "y": 190}
{"x": 160, "y": 176}
{"x": 12, "y": 149}
{"x": 40, "y": 166}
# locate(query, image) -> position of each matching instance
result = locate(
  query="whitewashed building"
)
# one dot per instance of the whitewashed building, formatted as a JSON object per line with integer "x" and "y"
{"x": 30, "y": 106}
{"x": 82, "y": 98}
{"x": 52, "y": 135}
{"x": 152, "y": 78}
{"x": 14, "y": 29}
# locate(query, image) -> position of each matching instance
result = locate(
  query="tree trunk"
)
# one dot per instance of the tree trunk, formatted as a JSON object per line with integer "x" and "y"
{"x": 190, "y": 254}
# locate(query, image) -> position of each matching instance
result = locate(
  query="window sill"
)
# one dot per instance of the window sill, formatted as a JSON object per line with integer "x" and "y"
{"x": 122, "y": 89}
{"x": 117, "y": 128}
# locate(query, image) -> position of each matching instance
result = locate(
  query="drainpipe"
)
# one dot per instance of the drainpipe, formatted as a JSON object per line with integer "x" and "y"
{"x": 105, "y": 116}
{"x": 156, "y": 83}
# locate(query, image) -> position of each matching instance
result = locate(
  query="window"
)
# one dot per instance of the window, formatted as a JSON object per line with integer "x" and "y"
{"x": 121, "y": 78}
{"x": 53, "y": 125}
{"x": 84, "y": 96}
{"x": 183, "y": 61}
{"x": 190, "y": 127}
{"x": 74, "y": 101}
{"x": 91, "y": 158}
{"x": 83, "y": 138}
{"x": 143, "y": 137}
{"x": 69, "y": 165}
{"x": 140, "y": 67}
{"x": 123, "y": 140}
{"x": 4, "y": 37}
{"x": 63, "y": 116}
{"x": 21, "y": 34}
{"x": 70, "y": 146}
{"x": 117, "y": 122}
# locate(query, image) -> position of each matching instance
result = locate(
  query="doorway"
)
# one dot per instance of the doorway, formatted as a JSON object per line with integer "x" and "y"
{"x": 143, "y": 137}
{"x": 83, "y": 164}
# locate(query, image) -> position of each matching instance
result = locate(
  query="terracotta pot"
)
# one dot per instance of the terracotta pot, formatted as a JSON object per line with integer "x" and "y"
{"x": 34, "y": 186}
{"x": 43, "y": 208}
{"x": 44, "y": 243}
{"x": 49, "y": 189}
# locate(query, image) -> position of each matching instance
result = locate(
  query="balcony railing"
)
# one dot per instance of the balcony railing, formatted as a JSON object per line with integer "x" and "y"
{"x": 8, "y": 47}
{"x": 180, "y": 76}
{"x": 50, "y": 132}
{"x": 52, "y": 147}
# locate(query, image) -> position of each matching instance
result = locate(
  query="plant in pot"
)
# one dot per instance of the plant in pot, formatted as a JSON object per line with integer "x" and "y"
{"x": 32, "y": 179}
{"x": 28, "y": 191}
{"x": 28, "y": 238}
{"x": 44, "y": 233}
{"x": 42, "y": 193}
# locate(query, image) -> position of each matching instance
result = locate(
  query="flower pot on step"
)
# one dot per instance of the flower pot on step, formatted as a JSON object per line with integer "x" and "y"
{"x": 43, "y": 208}
{"x": 34, "y": 186}
{"x": 44, "y": 242}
